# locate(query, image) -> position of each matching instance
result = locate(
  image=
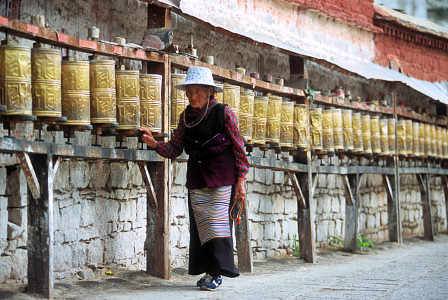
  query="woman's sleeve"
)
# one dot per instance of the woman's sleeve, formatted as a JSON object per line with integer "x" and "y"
{"x": 174, "y": 147}
{"x": 232, "y": 130}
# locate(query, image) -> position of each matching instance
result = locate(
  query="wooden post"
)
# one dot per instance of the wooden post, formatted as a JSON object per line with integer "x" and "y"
{"x": 351, "y": 212}
{"x": 394, "y": 209}
{"x": 244, "y": 250}
{"x": 158, "y": 256}
{"x": 40, "y": 229}
{"x": 445, "y": 190}
{"x": 423, "y": 181}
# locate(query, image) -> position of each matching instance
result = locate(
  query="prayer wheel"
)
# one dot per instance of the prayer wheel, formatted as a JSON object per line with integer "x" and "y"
{"x": 409, "y": 138}
{"x": 103, "y": 100}
{"x": 327, "y": 131}
{"x": 433, "y": 141}
{"x": 151, "y": 102}
{"x": 421, "y": 139}
{"x": 273, "y": 120}
{"x": 347, "y": 129}
{"x": 401, "y": 137}
{"x": 391, "y": 134}
{"x": 246, "y": 114}
{"x": 439, "y": 142}
{"x": 428, "y": 146}
{"x": 128, "y": 99}
{"x": 357, "y": 132}
{"x": 287, "y": 124}
{"x": 337, "y": 129}
{"x": 231, "y": 97}
{"x": 219, "y": 96}
{"x": 316, "y": 129}
{"x": 259, "y": 120}
{"x": 445, "y": 143}
{"x": 300, "y": 123}
{"x": 366, "y": 134}
{"x": 179, "y": 99}
{"x": 375, "y": 134}
{"x": 415, "y": 139}
{"x": 384, "y": 137}
{"x": 46, "y": 81}
{"x": 76, "y": 92}
{"x": 15, "y": 80}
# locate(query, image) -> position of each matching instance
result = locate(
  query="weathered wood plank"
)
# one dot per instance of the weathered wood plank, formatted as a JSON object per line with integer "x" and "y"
{"x": 313, "y": 187}
{"x": 148, "y": 183}
{"x": 350, "y": 198}
{"x": 243, "y": 236}
{"x": 351, "y": 213}
{"x": 445, "y": 190}
{"x": 297, "y": 189}
{"x": 30, "y": 174}
{"x": 40, "y": 230}
{"x": 394, "y": 209}
{"x": 423, "y": 181}
{"x": 388, "y": 188}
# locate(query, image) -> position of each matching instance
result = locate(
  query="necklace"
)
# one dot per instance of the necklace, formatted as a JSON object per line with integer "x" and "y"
{"x": 203, "y": 115}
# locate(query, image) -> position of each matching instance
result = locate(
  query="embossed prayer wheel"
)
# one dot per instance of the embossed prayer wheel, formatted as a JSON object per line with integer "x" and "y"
{"x": 366, "y": 134}
{"x": 316, "y": 128}
{"x": 384, "y": 137}
{"x": 337, "y": 129}
{"x": 46, "y": 81}
{"x": 391, "y": 133}
{"x": 151, "y": 102}
{"x": 409, "y": 138}
{"x": 231, "y": 97}
{"x": 439, "y": 142}
{"x": 445, "y": 143}
{"x": 357, "y": 132}
{"x": 179, "y": 99}
{"x": 428, "y": 146}
{"x": 128, "y": 99}
{"x": 260, "y": 120}
{"x": 415, "y": 140}
{"x": 433, "y": 140}
{"x": 300, "y": 137}
{"x": 401, "y": 137}
{"x": 347, "y": 129}
{"x": 375, "y": 134}
{"x": 15, "y": 80}
{"x": 103, "y": 100}
{"x": 75, "y": 92}
{"x": 246, "y": 114}
{"x": 287, "y": 124}
{"x": 421, "y": 139}
{"x": 219, "y": 96}
{"x": 273, "y": 120}
{"x": 327, "y": 131}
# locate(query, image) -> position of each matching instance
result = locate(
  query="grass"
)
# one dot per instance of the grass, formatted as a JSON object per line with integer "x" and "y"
{"x": 362, "y": 243}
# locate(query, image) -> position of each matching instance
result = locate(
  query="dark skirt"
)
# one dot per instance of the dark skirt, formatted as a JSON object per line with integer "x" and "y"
{"x": 216, "y": 254}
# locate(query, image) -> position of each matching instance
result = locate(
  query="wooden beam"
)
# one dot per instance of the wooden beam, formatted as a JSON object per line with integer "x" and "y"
{"x": 394, "y": 209}
{"x": 388, "y": 188}
{"x": 445, "y": 190}
{"x": 243, "y": 236}
{"x": 313, "y": 187}
{"x": 297, "y": 189}
{"x": 30, "y": 174}
{"x": 56, "y": 163}
{"x": 423, "y": 182}
{"x": 148, "y": 183}
{"x": 41, "y": 230}
{"x": 351, "y": 213}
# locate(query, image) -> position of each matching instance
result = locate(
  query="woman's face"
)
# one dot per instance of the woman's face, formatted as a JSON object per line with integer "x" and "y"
{"x": 197, "y": 95}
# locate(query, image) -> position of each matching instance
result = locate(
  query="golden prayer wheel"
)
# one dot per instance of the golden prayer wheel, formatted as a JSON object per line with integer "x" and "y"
{"x": 439, "y": 142}
{"x": 357, "y": 132}
{"x": 316, "y": 129}
{"x": 415, "y": 140}
{"x": 287, "y": 124}
{"x": 179, "y": 99}
{"x": 337, "y": 129}
{"x": 433, "y": 141}
{"x": 366, "y": 134}
{"x": 428, "y": 146}
{"x": 409, "y": 138}
{"x": 103, "y": 100}
{"x": 128, "y": 99}
{"x": 46, "y": 81}
{"x": 347, "y": 129}
{"x": 391, "y": 134}
{"x": 76, "y": 92}
{"x": 151, "y": 102}
{"x": 219, "y": 96}
{"x": 327, "y": 130}
{"x": 384, "y": 137}
{"x": 401, "y": 137}
{"x": 421, "y": 139}
{"x": 231, "y": 97}
{"x": 300, "y": 137}
{"x": 445, "y": 143}
{"x": 259, "y": 120}
{"x": 15, "y": 80}
{"x": 375, "y": 134}
{"x": 246, "y": 114}
{"x": 273, "y": 120}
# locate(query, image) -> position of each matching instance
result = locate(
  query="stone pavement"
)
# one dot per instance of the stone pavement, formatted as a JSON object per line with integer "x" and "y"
{"x": 416, "y": 269}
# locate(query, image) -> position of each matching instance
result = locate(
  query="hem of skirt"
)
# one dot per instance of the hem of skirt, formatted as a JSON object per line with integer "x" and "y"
{"x": 221, "y": 272}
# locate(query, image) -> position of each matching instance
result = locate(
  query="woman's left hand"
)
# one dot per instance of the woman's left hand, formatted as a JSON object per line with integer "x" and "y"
{"x": 240, "y": 190}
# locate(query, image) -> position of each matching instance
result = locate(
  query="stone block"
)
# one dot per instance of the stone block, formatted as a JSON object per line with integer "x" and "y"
{"x": 322, "y": 180}
{"x": 62, "y": 257}
{"x": 79, "y": 174}
{"x": 257, "y": 231}
{"x": 3, "y": 180}
{"x": 331, "y": 181}
{"x": 378, "y": 220}
{"x": 265, "y": 205}
{"x": 19, "y": 261}
{"x": 5, "y": 268}
{"x": 18, "y": 216}
{"x": 127, "y": 211}
{"x": 339, "y": 228}
{"x": 78, "y": 255}
{"x": 14, "y": 231}
{"x": 16, "y": 182}
{"x": 99, "y": 174}
{"x": 71, "y": 216}
{"x": 180, "y": 173}
{"x": 370, "y": 221}
{"x": 384, "y": 218}
{"x": 89, "y": 214}
{"x": 119, "y": 175}
{"x": 123, "y": 245}
{"x": 85, "y": 274}
{"x": 135, "y": 177}
{"x": 335, "y": 205}
{"x": 121, "y": 194}
{"x": 279, "y": 177}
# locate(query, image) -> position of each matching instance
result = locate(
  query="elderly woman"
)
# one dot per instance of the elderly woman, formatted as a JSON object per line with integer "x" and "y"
{"x": 216, "y": 172}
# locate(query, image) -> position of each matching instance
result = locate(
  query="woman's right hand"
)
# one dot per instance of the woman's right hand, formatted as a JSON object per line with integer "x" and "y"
{"x": 148, "y": 138}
